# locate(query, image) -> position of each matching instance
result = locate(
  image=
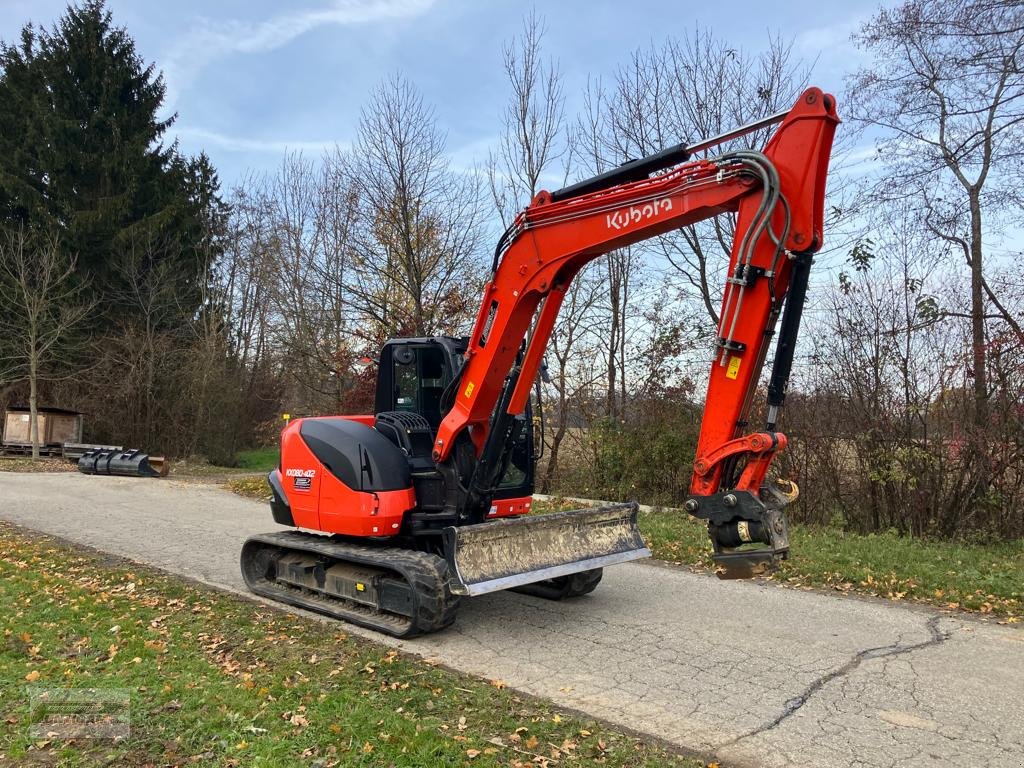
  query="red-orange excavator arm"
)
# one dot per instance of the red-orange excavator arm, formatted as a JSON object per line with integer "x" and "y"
{"x": 778, "y": 195}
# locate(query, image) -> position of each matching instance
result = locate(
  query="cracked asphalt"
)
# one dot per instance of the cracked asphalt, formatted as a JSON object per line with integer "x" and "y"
{"x": 749, "y": 674}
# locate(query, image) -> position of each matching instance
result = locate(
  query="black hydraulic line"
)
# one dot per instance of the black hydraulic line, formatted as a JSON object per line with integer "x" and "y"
{"x": 788, "y": 331}
{"x": 495, "y": 455}
{"x": 635, "y": 170}
{"x": 503, "y": 241}
{"x": 540, "y": 414}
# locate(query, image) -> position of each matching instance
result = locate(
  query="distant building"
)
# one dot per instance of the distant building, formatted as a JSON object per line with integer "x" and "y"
{"x": 56, "y": 427}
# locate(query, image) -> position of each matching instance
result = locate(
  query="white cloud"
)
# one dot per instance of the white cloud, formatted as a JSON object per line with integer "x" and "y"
{"x": 210, "y": 40}
{"x": 833, "y": 42}
{"x": 206, "y": 139}
{"x": 831, "y": 35}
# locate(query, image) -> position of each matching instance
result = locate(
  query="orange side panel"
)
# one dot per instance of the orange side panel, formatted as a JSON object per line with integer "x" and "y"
{"x": 301, "y": 476}
{"x": 321, "y": 502}
{"x": 510, "y": 507}
{"x": 358, "y": 513}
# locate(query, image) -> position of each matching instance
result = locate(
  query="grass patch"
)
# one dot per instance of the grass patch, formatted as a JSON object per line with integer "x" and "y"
{"x": 216, "y": 680}
{"x": 986, "y": 578}
{"x": 22, "y": 464}
{"x": 251, "y": 487}
{"x": 259, "y": 459}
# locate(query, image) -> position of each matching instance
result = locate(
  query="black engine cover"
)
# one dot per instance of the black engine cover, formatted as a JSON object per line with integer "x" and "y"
{"x": 358, "y": 455}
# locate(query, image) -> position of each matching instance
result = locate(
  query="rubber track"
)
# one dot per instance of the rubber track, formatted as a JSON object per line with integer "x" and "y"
{"x": 564, "y": 587}
{"x": 435, "y": 607}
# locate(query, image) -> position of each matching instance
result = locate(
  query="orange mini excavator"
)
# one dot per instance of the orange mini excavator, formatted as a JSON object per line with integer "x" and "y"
{"x": 404, "y": 511}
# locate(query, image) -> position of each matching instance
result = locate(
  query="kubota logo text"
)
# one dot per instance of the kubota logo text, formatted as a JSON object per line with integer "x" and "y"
{"x": 636, "y": 213}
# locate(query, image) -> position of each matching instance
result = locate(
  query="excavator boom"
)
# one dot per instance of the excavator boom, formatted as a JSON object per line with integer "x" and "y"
{"x": 778, "y": 196}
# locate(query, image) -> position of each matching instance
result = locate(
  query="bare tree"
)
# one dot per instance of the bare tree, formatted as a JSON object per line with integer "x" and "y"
{"x": 416, "y": 269}
{"x": 533, "y": 136}
{"x": 144, "y": 354}
{"x": 946, "y": 85}
{"x": 533, "y": 140}
{"x": 881, "y": 406}
{"x": 246, "y": 272}
{"x": 43, "y": 304}
{"x": 689, "y": 88}
{"x": 315, "y": 216}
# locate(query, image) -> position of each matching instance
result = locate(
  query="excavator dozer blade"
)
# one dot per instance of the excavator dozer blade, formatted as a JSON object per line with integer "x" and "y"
{"x": 504, "y": 554}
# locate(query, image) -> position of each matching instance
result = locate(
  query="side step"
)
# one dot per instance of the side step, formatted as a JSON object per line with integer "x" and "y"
{"x": 504, "y": 554}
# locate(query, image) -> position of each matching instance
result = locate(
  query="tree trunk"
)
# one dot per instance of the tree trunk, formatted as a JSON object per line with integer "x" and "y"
{"x": 547, "y": 481}
{"x": 978, "y": 350}
{"x": 556, "y": 439}
{"x": 33, "y": 409}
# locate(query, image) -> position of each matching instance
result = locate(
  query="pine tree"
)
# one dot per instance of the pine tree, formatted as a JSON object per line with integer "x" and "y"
{"x": 82, "y": 156}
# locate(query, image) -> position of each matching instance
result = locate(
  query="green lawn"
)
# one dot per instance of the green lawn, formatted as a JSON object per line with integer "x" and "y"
{"x": 988, "y": 578}
{"x": 259, "y": 459}
{"x": 216, "y": 680}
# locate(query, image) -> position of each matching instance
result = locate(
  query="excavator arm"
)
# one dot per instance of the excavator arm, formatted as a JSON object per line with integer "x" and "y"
{"x": 778, "y": 196}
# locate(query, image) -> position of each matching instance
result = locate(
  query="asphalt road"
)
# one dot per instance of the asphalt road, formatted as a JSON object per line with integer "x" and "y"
{"x": 753, "y": 674}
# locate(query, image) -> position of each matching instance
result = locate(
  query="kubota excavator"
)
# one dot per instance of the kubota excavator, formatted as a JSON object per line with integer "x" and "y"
{"x": 405, "y": 511}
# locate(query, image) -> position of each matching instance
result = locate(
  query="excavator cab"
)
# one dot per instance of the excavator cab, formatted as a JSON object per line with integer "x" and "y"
{"x": 412, "y": 377}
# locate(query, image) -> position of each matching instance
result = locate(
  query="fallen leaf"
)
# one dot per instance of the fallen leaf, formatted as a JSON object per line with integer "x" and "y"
{"x": 471, "y": 753}
{"x": 32, "y": 676}
{"x": 499, "y": 684}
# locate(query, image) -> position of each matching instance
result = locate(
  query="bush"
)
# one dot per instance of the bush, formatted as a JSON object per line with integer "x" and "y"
{"x": 649, "y": 457}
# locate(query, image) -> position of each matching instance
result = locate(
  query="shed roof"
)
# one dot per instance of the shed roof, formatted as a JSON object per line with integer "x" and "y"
{"x": 26, "y": 409}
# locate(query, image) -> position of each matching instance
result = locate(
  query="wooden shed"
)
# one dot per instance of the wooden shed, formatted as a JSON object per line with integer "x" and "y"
{"x": 56, "y": 427}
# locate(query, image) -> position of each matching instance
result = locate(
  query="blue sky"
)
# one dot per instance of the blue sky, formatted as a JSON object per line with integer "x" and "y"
{"x": 250, "y": 78}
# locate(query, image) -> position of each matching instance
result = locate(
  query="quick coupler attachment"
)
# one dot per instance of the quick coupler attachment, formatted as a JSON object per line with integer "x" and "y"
{"x": 737, "y": 522}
